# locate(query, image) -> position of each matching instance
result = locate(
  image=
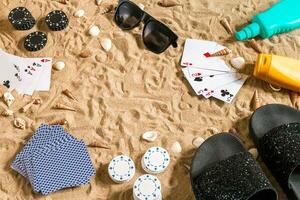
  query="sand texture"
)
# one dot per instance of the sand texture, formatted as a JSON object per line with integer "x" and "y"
{"x": 129, "y": 90}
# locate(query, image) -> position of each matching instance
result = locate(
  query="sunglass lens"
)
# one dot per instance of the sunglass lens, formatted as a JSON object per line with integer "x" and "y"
{"x": 156, "y": 37}
{"x": 128, "y": 16}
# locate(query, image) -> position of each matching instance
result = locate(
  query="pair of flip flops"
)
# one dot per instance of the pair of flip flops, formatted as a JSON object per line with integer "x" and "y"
{"x": 222, "y": 169}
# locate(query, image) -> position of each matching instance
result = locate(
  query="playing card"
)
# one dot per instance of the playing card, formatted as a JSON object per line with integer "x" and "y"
{"x": 195, "y": 55}
{"x": 203, "y": 85}
{"x": 9, "y": 74}
{"x": 201, "y": 72}
{"x": 35, "y": 72}
{"x": 227, "y": 92}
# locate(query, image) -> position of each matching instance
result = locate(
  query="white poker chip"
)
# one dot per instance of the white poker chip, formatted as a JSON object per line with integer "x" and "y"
{"x": 147, "y": 187}
{"x": 121, "y": 169}
{"x": 155, "y": 160}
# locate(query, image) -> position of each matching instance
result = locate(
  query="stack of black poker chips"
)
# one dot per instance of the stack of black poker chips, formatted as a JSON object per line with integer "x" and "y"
{"x": 21, "y": 18}
{"x": 57, "y": 20}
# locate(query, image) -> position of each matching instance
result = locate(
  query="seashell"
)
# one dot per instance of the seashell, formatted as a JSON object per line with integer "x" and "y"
{"x": 224, "y": 22}
{"x": 98, "y": 2}
{"x": 60, "y": 122}
{"x": 255, "y": 46}
{"x": 27, "y": 106}
{"x": 168, "y": 3}
{"x": 142, "y": 6}
{"x": 274, "y": 88}
{"x": 106, "y": 44}
{"x": 150, "y": 136}
{"x": 60, "y": 65}
{"x": 254, "y": 153}
{"x": 94, "y": 31}
{"x": 79, "y": 13}
{"x": 198, "y": 141}
{"x": 60, "y": 106}
{"x": 107, "y": 9}
{"x": 37, "y": 101}
{"x": 86, "y": 53}
{"x": 69, "y": 94}
{"x": 294, "y": 96}
{"x": 20, "y": 123}
{"x": 176, "y": 147}
{"x": 7, "y": 113}
{"x": 8, "y": 98}
{"x": 222, "y": 52}
{"x": 96, "y": 144}
{"x": 238, "y": 62}
{"x": 255, "y": 101}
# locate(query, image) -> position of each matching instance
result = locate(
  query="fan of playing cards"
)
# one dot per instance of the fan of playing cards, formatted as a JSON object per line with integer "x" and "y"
{"x": 25, "y": 75}
{"x": 53, "y": 159}
{"x": 208, "y": 73}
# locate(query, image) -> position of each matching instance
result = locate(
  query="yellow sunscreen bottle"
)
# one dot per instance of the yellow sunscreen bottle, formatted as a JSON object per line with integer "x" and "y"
{"x": 278, "y": 70}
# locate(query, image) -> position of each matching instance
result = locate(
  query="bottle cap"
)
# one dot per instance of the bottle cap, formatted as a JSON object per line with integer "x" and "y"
{"x": 262, "y": 66}
{"x": 248, "y": 32}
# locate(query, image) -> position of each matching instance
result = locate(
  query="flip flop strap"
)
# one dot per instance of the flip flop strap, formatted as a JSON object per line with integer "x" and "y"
{"x": 236, "y": 178}
{"x": 280, "y": 149}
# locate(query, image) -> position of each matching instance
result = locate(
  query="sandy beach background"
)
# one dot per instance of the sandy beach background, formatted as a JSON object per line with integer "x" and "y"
{"x": 129, "y": 90}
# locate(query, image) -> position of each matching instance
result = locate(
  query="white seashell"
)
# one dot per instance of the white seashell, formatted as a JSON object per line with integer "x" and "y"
{"x": 8, "y": 98}
{"x": 20, "y": 123}
{"x": 238, "y": 63}
{"x": 60, "y": 65}
{"x": 150, "y": 136}
{"x": 98, "y": 2}
{"x": 254, "y": 153}
{"x": 198, "y": 141}
{"x": 176, "y": 147}
{"x": 94, "y": 31}
{"x": 7, "y": 113}
{"x": 142, "y": 6}
{"x": 79, "y": 13}
{"x": 106, "y": 44}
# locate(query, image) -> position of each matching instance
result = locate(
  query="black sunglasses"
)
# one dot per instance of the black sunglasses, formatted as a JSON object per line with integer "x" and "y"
{"x": 157, "y": 37}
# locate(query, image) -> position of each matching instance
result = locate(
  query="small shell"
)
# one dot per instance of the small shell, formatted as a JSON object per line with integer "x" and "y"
{"x": 60, "y": 65}
{"x": 37, "y": 101}
{"x": 27, "y": 106}
{"x": 107, "y": 9}
{"x": 7, "y": 113}
{"x": 69, "y": 94}
{"x": 255, "y": 101}
{"x": 168, "y": 3}
{"x": 142, "y": 6}
{"x": 198, "y": 141}
{"x": 94, "y": 31}
{"x": 98, "y": 2}
{"x": 276, "y": 89}
{"x": 176, "y": 147}
{"x": 106, "y": 44}
{"x": 226, "y": 25}
{"x": 222, "y": 52}
{"x": 8, "y": 98}
{"x": 254, "y": 153}
{"x": 150, "y": 136}
{"x": 60, "y": 106}
{"x": 60, "y": 122}
{"x": 86, "y": 53}
{"x": 255, "y": 46}
{"x": 238, "y": 63}
{"x": 294, "y": 96}
{"x": 20, "y": 123}
{"x": 79, "y": 13}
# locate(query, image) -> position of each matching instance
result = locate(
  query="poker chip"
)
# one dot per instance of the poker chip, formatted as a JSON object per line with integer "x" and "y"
{"x": 121, "y": 169}
{"x": 57, "y": 20}
{"x": 147, "y": 187}
{"x": 21, "y": 18}
{"x": 35, "y": 41}
{"x": 155, "y": 160}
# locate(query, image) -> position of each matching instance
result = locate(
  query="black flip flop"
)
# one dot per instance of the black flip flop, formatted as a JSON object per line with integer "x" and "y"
{"x": 275, "y": 129}
{"x": 222, "y": 169}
